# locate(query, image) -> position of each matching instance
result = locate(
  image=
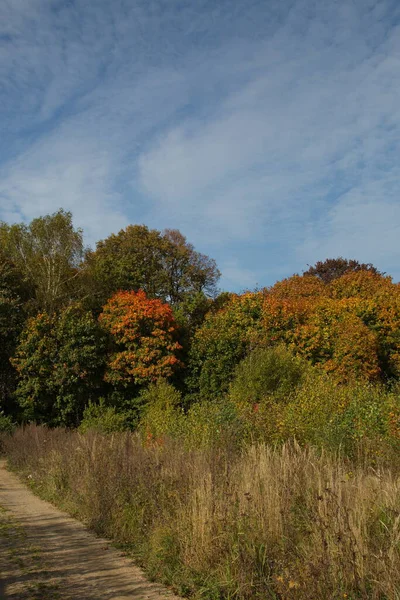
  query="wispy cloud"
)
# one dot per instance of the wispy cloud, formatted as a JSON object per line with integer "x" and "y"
{"x": 268, "y": 132}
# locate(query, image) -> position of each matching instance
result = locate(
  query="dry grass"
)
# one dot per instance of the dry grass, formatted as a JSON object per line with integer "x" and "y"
{"x": 269, "y": 523}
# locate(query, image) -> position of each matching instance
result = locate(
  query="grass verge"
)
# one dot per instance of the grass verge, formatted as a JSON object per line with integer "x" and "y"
{"x": 281, "y": 523}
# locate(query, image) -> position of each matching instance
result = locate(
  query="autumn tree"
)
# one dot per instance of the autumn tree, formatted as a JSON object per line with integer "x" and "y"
{"x": 288, "y": 305}
{"x": 48, "y": 252}
{"x": 163, "y": 264}
{"x": 335, "y": 338}
{"x": 349, "y": 326}
{"x": 60, "y": 364}
{"x": 144, "y": 333}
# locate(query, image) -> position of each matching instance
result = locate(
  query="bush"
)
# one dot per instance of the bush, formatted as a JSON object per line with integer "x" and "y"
{"x": 369, "y": 424}
{"x": 103, "y": 419}
{"x": 6, "y": 423}
{"x": 207, "y": 424}
{"x": 263, "y": 381}
{"x": 161, "y": 413}
{"x": 359, "y": 419}
{"x": 266, "y": 372}
{"x": 308, "y": 415}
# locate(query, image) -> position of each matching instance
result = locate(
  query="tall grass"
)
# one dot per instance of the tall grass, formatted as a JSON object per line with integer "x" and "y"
{"x": 270, "y": 523}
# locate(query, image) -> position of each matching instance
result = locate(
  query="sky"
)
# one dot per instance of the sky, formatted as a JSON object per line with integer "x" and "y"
{"x": 266, "y": 131}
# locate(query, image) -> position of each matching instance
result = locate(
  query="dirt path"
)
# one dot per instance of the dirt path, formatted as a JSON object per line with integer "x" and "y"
{"x": 75, "y": 563}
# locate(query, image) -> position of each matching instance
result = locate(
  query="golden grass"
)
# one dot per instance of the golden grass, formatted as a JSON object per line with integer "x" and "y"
{"x": 270, "y": 523}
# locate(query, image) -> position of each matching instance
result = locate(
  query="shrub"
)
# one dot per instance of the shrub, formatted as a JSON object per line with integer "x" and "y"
{"x": 358, "y": 419}
{"x": 103, "y": 419}
{"x": 368, "y": 425}
{"x": 7, "y": 427}
{"x": 266, "y": 372}
{"x": 161, "y": 413}
{"x": 264, "y": 381}
{"x": 6, "y": 423}
{"x": 211, "y": 424}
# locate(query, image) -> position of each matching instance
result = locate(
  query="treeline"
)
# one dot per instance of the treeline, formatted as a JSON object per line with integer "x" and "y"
{"x": 62, "y": 307}
{"x": 135, "y": 333}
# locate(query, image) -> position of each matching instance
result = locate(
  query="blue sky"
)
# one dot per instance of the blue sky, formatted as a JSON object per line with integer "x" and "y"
{"x": 268, "y": 132}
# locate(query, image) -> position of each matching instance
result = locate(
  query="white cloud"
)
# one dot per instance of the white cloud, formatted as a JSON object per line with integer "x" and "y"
{"x": 281, "y": 148}
{"x": 363, "y": 224}
{"x": 271, "y": 125}
{"x": 65, "y": 172}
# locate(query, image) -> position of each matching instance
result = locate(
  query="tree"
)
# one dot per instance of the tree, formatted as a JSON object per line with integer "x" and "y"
{"x": 163, "y": 265}
{"x": 349, "y": 326}
{"x": 188, "y": 272}
{"x": 144, "y": 333}
{"x": 12, "y": 296}
{"x": 60, "y": 363}
{"x": 221, "y": 343}
{"x": 288, "y": 305}
{"x": 335, "y": 338}
{"x": 48, "y": 252}
{"x": 333, "y": 268}
{"x": 361, "y": 284}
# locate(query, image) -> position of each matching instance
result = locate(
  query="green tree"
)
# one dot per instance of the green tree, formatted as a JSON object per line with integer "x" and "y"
{"x": 221, "y": 343}
{"x": 48, "y": 253}
{"x": 12, "y": 296}
{"x": 164, "y": 265}
{"x": 60, "y": 362}
{"x": 188, "y": 272}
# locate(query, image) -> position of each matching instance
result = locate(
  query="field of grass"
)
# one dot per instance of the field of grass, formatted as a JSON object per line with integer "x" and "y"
{"x": 266, "y": 522}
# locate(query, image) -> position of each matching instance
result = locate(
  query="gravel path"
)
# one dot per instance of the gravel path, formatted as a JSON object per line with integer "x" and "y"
{"x": 78, "y": 564}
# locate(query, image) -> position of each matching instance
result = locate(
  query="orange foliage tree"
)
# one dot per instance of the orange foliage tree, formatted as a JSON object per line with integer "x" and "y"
{"x": 349, "y": 326}
{"x": 144, "y": 333}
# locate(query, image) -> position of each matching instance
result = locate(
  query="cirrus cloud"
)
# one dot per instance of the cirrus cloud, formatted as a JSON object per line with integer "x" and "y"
{"x": 267, "y": 132}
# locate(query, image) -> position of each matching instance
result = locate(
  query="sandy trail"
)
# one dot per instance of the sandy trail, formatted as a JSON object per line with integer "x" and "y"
{"x": 82, "y": 566}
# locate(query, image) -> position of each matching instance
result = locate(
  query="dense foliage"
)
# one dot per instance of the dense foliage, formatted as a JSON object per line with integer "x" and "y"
{"x": 257, "y": 416}
{"x": 133, "y": 334}
{"x": 225, "y": 337}
{"x": 350, "y": 326}
{"x": 60, "y": 363}
{"x": 144, "y": 334}
{"x": 12, "y": 316}
{"x": 164, "y": 265}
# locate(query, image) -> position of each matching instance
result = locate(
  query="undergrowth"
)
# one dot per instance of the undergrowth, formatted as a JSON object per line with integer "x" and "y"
{"x": 267, "y": 522}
